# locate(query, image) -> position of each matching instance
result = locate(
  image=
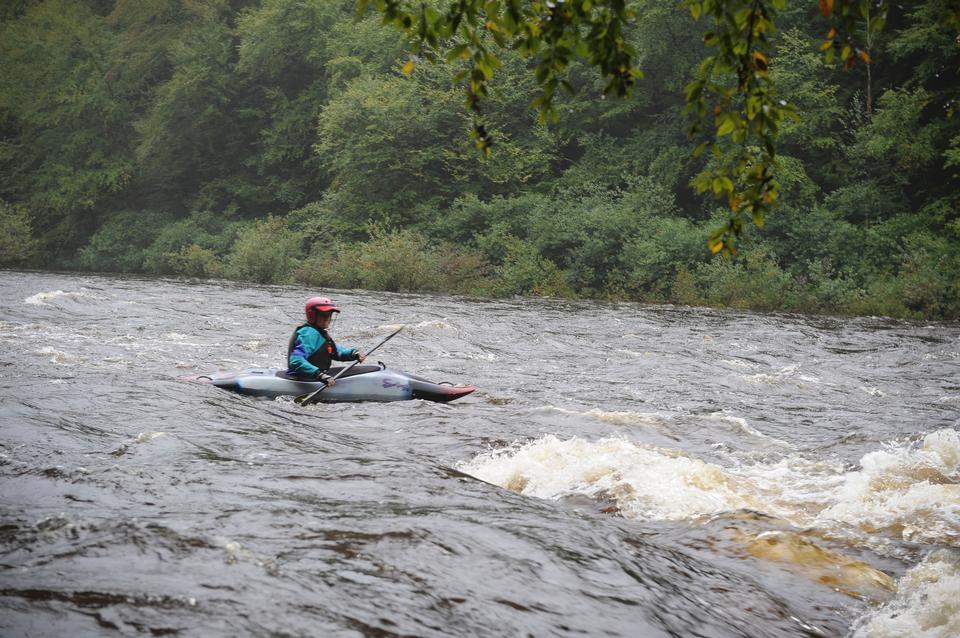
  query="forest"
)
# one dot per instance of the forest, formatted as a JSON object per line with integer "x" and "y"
{"x": 281, "y": 141}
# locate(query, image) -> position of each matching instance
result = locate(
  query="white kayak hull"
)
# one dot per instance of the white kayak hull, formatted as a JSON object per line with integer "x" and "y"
{"x": 363, "y": 383}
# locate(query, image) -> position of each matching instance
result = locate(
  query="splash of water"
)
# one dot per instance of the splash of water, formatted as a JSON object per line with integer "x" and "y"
{"x": 927, "y": 604}
{"x": 911, "y": 490}
{"x": 644, "y": 481}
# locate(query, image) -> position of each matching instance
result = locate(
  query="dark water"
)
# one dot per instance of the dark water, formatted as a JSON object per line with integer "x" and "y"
{"x": 623, "y": 470}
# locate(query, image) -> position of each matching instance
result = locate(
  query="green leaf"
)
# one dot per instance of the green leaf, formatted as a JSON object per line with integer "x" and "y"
{"x": 877, "y": 23}
{"x": 461, "y": 51}
{"x": 722, "y": 184}
{"x": 727, "y": 126}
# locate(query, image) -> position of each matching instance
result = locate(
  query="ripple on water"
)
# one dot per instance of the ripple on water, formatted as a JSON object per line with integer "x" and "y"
{"x": 699, "y": 459}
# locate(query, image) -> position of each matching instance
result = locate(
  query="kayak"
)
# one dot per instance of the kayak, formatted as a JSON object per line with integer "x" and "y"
{"x": 360, "y": 383}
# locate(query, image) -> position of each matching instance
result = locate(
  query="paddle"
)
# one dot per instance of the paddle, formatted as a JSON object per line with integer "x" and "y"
{"x": 307, "y": 399}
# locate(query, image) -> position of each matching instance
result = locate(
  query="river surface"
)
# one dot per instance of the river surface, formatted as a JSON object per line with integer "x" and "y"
{"x": 622, "y": 470}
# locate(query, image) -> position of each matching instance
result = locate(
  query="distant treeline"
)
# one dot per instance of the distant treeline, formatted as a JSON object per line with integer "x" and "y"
{"x": 281, "y": 141}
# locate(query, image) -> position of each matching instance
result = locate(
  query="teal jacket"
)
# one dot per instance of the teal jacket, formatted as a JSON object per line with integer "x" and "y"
{"x": 311, "y": 350}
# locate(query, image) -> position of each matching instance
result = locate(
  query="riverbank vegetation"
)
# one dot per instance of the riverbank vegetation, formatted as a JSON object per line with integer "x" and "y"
{"x": 283, "y": 140}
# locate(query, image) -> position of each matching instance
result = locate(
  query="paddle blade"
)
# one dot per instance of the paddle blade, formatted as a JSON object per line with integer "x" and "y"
{"x": 307, "y": 399}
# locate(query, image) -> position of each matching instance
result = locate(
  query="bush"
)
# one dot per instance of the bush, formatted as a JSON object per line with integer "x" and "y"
{"x": 336, "y": 267}
{"x": 182, "y": 238}
{"x": 586, "y": 231}
{"x": 321, "y": 221}
{"x": 931, "y": 276}
{"x": 264, "y": 252}
{"x": 655, "y": 258}
{"x": 754, "y": 280}
{"x": 397, "y": 261}
{"x": 526, "y": 272}
{"x": 120, "y": 244}
{"x": 831, "y": 291}
{"x": 196, "y": 261}
{"x": 684, "y": 289}
{"x": 462, "y": 270}
{"x": 923, "y": 279}
{"x": 469, "y": 216}
{"x": 17, "y": 245}
{"x": 880, "y": 297}
{"x": 815, "y": 235}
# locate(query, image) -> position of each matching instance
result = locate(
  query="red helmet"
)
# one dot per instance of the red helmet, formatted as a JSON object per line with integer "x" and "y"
{"x": 319, "y": 304}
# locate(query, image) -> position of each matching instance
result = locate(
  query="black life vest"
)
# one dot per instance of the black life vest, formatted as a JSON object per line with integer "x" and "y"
{"x": 324, "y": 356}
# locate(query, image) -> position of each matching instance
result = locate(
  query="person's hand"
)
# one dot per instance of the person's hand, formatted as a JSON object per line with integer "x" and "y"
{"x": 326, "y": 379}
{"x": 361, "y": 356}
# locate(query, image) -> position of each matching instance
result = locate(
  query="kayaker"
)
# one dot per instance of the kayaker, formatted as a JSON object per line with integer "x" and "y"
{"x": 311, "y": 349}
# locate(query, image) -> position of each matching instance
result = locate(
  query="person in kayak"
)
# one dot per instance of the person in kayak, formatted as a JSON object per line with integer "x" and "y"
{"x": 311, "y": 349}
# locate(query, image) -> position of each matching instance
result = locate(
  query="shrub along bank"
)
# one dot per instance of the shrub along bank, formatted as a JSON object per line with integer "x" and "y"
{"x": 653, "y": 259}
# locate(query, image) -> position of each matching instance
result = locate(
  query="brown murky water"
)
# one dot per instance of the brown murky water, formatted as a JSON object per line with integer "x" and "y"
{"x": 623, "y": 470}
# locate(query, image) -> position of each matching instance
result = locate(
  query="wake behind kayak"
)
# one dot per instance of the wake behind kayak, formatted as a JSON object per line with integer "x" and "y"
{"x": 361, "y": 383}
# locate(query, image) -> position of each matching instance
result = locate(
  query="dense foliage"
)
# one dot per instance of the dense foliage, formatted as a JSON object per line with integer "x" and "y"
{"x": 289, "y": 140}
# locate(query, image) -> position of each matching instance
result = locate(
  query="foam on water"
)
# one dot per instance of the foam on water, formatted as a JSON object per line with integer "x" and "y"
{"x": 927, "y": 603}
{"x": 616, "y": 417}
{"x": 644, "y": 481}
{"x": 428, "y": 324}
{"x": 740, "y": 363}
{"x": 907, "y": 489}
{"x": 140, "y": 439}
{"x": 742, "y": 426}
{"x": 625, "y": 418}
{"x": 790, "y": 372}
{"x": 433, "y": 324}
{"x": 474, "y": 356}
{"x": 235, "y": 552}
{"x": 56, "y": 356}
{"x": 257, "y": 345}
{"x": 145, "y": 437}
{"x": 911, "y": 490}
{"x": 45, "y": 298}
{"x": 633, "y": 353}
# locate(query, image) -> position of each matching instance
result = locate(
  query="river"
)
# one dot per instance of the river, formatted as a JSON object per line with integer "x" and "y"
{"x": 622, "y": 470}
